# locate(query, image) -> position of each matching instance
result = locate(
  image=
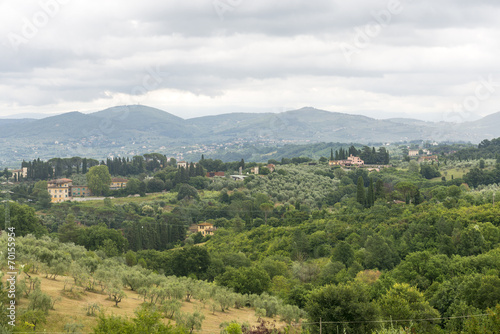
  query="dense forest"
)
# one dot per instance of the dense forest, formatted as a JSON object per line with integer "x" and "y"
{"x": 487, "y": 149}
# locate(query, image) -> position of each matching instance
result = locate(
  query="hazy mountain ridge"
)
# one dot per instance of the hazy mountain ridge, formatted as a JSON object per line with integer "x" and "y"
{"x": 306, "y": 124}
{"x": 137, "y": 129}
{"x": 9, "y": 121}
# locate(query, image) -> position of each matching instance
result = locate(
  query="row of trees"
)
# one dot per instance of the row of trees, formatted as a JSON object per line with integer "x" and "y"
{"x": 217, "y": 165}
{"x": 106, "y": 229}
{"x": 57, "y": 167}
{"x": 487, "y": 149}
{"x": 65, "y": 167}
{"x": 367, "y": 198}
{"x": 99, "y": 180}
{"x": 148, "y": 162}
{"x": 369, "y": 155}
{"x": 479, "y": 176}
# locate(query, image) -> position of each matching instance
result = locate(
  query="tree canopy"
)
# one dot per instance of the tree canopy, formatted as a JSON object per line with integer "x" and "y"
{"x": 98, "y": 179}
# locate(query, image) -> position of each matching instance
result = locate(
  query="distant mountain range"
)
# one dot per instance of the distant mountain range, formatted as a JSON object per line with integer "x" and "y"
{"x": 137, "y": 129}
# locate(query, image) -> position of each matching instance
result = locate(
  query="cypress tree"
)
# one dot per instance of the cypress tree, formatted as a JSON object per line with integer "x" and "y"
{"x": 199, "y": 170}
{"x": 30, "y": 170}
{"x": 379, "y": 189}
{"x": 84, "y": 166}
{"x": 59, "y": 168}
{"x": 110, "y": 166}
{"x": 69, "y": 171}
{"x": 360, "y": 193}
{"x": 352, "y": 150}
{"x": 178, "y": 177}
{"x": 184, "y": 175}
{"x": 418, "y": 197}
{"x": 191, "y": 171}
{"x": 370, "y": 198}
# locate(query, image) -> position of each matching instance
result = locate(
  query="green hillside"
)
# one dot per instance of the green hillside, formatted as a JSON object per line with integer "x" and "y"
{"x": 306, "y": 246}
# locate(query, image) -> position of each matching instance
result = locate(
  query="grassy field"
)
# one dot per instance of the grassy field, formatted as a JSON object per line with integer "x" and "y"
{"x": 167, "y": 196}
{"x": 68, "y": 310}
{"x": 125, "y": 200}
{"x": 456, "y": 173}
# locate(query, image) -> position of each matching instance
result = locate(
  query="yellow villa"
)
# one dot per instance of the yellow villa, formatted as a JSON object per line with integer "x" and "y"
{"x": 118, "y": 183}
{"x": 60, "y": 190}
{"x": 206, "y": 228}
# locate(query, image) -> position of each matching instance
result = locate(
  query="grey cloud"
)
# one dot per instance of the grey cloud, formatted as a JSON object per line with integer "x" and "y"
{"x": 430, "y": 48}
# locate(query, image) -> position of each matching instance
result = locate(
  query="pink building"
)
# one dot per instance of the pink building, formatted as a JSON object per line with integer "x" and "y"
{"x": 351, "y": 161}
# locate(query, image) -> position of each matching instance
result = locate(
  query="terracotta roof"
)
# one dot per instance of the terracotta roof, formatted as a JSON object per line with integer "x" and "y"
{"x": 59, "y": 181}
{"x": 212, "y": 174}
{"x": 119, "y": 179}
{"x": 205, "y": 224}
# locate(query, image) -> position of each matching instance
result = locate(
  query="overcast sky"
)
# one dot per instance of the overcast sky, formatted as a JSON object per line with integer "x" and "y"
{"x": 426, "y": 59}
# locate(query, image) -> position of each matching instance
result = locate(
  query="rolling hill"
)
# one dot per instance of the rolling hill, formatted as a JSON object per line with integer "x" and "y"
{"x": 129, "y": 130}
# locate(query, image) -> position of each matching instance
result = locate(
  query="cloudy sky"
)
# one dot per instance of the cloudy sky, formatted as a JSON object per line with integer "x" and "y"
{"x": 426, "y": 59}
